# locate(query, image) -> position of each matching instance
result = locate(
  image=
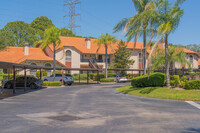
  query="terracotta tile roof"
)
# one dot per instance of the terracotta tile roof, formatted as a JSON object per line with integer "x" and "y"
{"x": 16, "y": 55}
{"x": 79, "y": 44}
{"x": 184, "y": 50}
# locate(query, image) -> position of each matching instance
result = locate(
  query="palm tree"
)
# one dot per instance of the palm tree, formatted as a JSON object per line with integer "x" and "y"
{"x": 176, "y": 55}
{"x": 169, "y": 15}
{"x": 51, "y": 36}
{"x": 106, "y": 40}
{"x": 139, "y": 24}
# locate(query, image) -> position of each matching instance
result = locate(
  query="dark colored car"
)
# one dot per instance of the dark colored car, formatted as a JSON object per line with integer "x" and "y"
{"x": 32, "y": 82}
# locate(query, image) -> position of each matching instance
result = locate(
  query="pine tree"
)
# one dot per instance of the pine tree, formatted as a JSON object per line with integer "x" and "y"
{"x": 122, "y": 57}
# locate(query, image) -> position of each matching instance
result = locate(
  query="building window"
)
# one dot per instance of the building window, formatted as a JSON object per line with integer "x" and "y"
{"x": 68, "y": 56}
{"x": 191, "y": 59}
{"x": 48, "y": 71}
{"x": 33, "y": 71}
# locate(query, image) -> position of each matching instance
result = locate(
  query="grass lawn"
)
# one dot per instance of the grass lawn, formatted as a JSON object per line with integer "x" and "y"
{"x": 162, "y": 93}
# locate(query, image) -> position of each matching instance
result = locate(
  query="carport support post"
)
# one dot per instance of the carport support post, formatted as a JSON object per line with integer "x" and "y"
{"x": 87, "y": 77}
{"x": 14, "y": 82}
{"x": 25, "y": 79}
{"x": 79, "y": 76}
{"x": 40, "y": 73}
{"x": 62, "y": 77}
{"x": 98, "y": 77}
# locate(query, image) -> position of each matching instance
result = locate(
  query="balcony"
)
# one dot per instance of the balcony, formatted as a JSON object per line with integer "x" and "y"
{"x": 97, "y": 60}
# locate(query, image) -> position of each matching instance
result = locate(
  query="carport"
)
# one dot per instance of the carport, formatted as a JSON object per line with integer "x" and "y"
{"x": 23, "y": 67}
{"x": 20, "y": 67}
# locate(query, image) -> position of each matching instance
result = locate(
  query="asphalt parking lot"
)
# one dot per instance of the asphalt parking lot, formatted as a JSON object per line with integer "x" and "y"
{"x": 95, "y": 109}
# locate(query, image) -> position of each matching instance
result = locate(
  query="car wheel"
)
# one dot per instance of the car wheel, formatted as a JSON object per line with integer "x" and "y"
{"x": 8, "y": 85}
{"x": 69, "y": 84}
{"x": 33, "y": 86}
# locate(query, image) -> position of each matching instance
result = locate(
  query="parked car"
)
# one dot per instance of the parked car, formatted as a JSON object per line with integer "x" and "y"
{"x": 119, "y": 79}
{"x": 32, "y": 82}
{"x": 67, "y": 78}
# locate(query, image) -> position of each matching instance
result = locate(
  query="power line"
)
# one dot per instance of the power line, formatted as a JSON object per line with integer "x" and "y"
{"x": 72, "y": 14}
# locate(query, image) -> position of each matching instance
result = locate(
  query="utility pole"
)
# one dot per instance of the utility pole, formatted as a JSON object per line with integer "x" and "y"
{"x": 71, "y": 4}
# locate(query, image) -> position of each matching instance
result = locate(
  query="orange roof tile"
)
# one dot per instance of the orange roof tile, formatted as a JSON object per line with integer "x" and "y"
{"x": 79, "y": 44}
{"x": 16, "y": 55}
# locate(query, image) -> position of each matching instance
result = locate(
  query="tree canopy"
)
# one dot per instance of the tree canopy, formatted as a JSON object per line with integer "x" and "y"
{"x": 40, "y": 24}
{"x": 66, "y": 32}
{"x": 18, "y": 32}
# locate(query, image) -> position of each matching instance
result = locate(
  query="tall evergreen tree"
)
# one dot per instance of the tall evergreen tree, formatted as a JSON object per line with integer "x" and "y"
{"x": 122, "y": 56}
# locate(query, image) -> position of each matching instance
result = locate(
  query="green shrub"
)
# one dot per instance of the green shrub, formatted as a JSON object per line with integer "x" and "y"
{"x": 184, "y": 78}
{"x": 182, "y": 84}
{"x": 193, "y": 75}
{"x": 107, "y": 80}
{"x": 176, "y": 80}
{"x": 52, "y": 83}
{"x": 1, "y": 75}
{"x": 154, "y": 80}
{"x": 172, "y": 82}
{"x": 193, "y": 84}
{"x": 57, "y": 72}
{"x": 44, "y": 74}
{"x": 82, "y": 76}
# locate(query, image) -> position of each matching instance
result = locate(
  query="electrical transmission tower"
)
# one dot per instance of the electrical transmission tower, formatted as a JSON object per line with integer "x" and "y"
{"x": 72, "y": 14}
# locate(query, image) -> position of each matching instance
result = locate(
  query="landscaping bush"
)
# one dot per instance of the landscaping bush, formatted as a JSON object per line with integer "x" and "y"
{"x": 193, "y": 84}
{"x": 57, "y": 72}
{"x": 82, "y": 76}
{"x": 107, "y": 80}
{"x": 44, "y": 74}
{"x": 154, "y": 80}
{"x": 52, "y": 83}
{"x": 184, "y": 78}
{"x": 195, "y": 76}
{"x": 176, "y": 80}
{"x": 172, "y": 82}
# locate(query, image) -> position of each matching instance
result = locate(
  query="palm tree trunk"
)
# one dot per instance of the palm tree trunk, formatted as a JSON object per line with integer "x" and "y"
{"x": 145, "y": 58}
{"x": 106, "y": 58}
{"x": 167, "y": 61}
{"x": 54, "y": 61}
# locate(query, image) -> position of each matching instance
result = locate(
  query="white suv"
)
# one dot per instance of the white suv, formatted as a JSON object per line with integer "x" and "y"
{"x": 67, "y": 78}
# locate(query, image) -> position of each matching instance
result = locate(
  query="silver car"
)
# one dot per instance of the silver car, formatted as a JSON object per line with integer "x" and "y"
{"x": 119, "y": 79}
{"x": 67, "y": 78}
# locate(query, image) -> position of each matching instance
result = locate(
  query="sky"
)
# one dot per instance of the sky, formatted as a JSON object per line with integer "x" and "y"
{"x": 97, "y": 16}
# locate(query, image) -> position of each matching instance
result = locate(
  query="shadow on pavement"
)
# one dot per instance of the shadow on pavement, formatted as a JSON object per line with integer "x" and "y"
{"x": 191, "y": 130}
{"x": 19, "y": 91}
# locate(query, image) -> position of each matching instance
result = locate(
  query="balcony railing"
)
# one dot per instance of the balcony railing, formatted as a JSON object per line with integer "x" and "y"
{"x": 97, "y": 60}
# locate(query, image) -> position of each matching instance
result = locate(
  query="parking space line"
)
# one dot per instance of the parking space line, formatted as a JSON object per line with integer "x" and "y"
{"x": 193, "y": 104}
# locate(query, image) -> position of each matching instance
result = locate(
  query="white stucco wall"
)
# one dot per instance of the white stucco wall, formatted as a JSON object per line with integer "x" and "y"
{"x": 75, "y": 56}
{"x": 194, "y": 65}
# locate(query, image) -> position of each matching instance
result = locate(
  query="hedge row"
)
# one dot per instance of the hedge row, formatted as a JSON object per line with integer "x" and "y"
{"x": 193, "y": 84}
{"x": 52, "y": 83}
{"x": 92, "y": 76}
{"x": 107, "y": 80}
{"x": 154, "y": 80}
